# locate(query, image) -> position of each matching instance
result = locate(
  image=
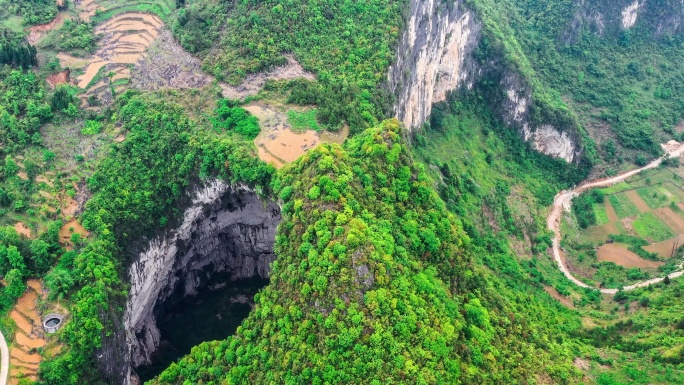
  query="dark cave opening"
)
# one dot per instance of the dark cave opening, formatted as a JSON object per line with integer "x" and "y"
{"x": 213, "y": 314}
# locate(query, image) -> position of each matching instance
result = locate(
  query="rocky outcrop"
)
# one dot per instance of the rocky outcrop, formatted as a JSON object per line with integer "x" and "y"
{"x": 545, "y": 138}
{"x": 433, "y": 57}
{"x": 226, "y": 229}
{"x": 630, "y": 13}
{"x": 611, "y": 17}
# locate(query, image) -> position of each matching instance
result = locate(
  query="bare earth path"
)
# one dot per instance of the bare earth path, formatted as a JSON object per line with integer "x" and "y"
{"x": 563, "y": 201}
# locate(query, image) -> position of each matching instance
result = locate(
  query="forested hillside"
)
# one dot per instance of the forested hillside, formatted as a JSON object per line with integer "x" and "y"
{"x": 404, "y": 254}
{"x": 371, "y": 263}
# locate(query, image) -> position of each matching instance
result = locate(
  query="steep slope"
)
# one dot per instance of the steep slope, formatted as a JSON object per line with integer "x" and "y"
{"x": 373, "y": 283}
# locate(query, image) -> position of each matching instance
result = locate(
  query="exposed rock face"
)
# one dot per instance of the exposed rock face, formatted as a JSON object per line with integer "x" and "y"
{"x": 611, "y": 17}
{"x": 226, "y": 229}
{"x": 433, "y": 57}
{"x": 630, "y": 13}
{"x": 544, "y": 138}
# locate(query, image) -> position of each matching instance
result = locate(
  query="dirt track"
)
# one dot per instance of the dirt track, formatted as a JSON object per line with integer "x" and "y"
{"x": 563, "y": 202}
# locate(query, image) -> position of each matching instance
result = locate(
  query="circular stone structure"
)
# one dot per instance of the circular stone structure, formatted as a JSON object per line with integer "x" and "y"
{"x": 52, "y": 322}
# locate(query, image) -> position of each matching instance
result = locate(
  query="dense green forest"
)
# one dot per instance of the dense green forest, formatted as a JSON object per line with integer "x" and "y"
{"x": 372, "y": 264}
{"x": 349, "y": 45}
{"x": 622, "y": 85}
{"x": 418, "y": 258}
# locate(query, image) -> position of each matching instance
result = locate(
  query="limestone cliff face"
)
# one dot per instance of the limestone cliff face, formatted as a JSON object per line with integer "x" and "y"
{"x": 545, "y": 138}
{"x": 226, "y": 229}
{"x": 610, "y": 17}
{"x": 433, "y": 57}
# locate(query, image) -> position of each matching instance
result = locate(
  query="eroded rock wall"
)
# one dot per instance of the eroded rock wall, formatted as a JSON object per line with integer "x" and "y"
{"x": 612, "y": 17}
{"x": 226, "y": 229}
{"x": 545, "y": 138}
{"x": 433, "y": 57}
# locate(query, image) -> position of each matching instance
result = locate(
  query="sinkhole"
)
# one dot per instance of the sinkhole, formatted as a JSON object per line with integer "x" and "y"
{"x": 197, "y": 282}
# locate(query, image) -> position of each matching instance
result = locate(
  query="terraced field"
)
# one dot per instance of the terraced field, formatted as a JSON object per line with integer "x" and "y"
{"x": 125, "y": 40}
{"x": 645, "y": 206}
{"x": 24, "y": 358}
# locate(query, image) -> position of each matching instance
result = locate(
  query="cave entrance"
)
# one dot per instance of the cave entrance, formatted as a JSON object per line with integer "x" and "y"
{"x": 212, "y": 315}
{"x": 197, "y": 282}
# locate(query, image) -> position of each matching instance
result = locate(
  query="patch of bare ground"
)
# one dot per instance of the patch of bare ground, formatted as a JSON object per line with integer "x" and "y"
{"x": 565, "y": 301}
{"x": 86, "y": 9}
{"x": 581, "y": 364}
{"x": 28, "y": 337}
{"x": 254, "y": 82}
{"x": 334, "y": 137}
{"x": 627, "y": 224}
{"x": 125, "y": 41}
{"x": 168, "y": 66}
{"x": 22, "y": 229}
{"x": 665, "y": 248}
{"x": 577, "y": 270}
{"x": 37, "y": 32}
{"x": 612, "y": 215}
{"x": 70, "y": 228}
{"x": 277, "y": 143}
{"x": 638, "y": 202}
{"x": 68, "y": 61}
{"x": 671, "y": 218}
{"x": 58, "y": 78}
{"x": 43, "y": 178}
{"x": 613, "y": 252}
{"x": 68, "y": 205}
{"x": 22, "y": 175}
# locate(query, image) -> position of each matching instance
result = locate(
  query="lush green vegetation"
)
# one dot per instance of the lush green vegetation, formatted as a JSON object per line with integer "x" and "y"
{"x": 622, "y": 85}
{"x": 31, "y": 11}
{"x": 301, "y": 121}
{"x": 378, "y": 279}
{"x": 136, "y": 188}
{"x": 647, "y": 225}
{"x": 231, "y": 117}
{"x": 623, "y": 205}
{"x": 15, "y": 52}
{"x": 23, "y": 109}
{"x": 348, "y": 45}
{"x": 655, "y": 198}
{"x": 371, "y": 265}
{"x": 584, "y": 205}
{"x": 72, "y": 36}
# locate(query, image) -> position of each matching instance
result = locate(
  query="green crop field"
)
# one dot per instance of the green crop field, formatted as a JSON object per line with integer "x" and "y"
{"x": 616, "y": 188}
{"x": 623, "y": 206}
{"x": 647, "y": 225}
{"x": 302, "y": 121}
{"x": 601, "y": 214}
{"x": 653, "y": 197}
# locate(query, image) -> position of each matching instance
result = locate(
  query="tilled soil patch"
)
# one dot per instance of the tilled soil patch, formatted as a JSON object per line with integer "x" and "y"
{"x": 613, "y": 252}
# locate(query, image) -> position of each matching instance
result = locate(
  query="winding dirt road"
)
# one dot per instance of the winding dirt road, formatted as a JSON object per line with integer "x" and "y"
{"x": 563, "y": 202}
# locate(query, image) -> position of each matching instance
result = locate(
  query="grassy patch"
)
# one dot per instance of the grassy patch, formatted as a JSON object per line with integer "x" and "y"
{"x": 623, "y": 206}
{"x": 600, "y": 213}
{"x": 647, "y": 225}
{"x": 302, "y": 121}
{"x": 160, "y": 10}
{"x": 653, "y": 197}
{"x": 675, "y": 190}
{"x": 617, "y": 188}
